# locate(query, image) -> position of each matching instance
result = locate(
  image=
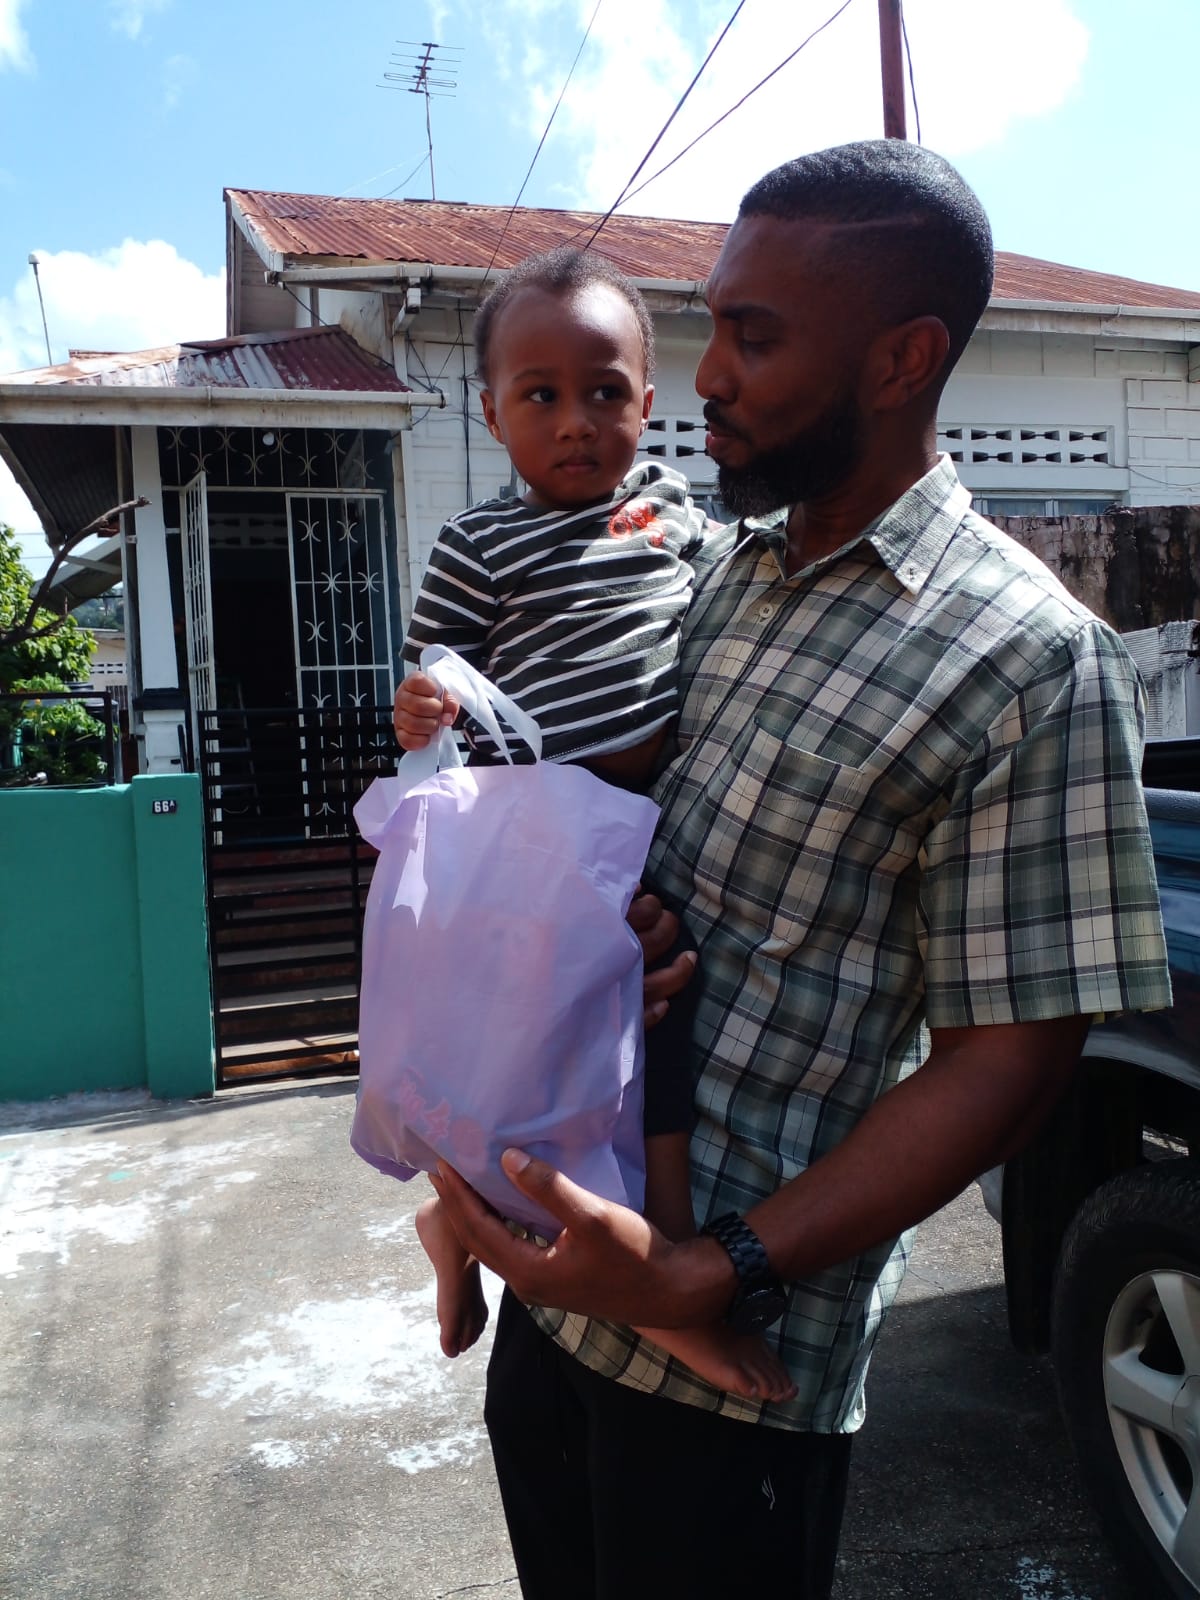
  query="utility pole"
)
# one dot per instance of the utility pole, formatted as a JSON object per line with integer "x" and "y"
{"x": 891, "y": 60}
{"x": 417, "y": 76}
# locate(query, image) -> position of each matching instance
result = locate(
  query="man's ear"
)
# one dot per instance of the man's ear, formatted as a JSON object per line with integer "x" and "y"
{"x": 903, "y": 361}
{"x": 647, "y": 402}
{"x": 489, "y": 414}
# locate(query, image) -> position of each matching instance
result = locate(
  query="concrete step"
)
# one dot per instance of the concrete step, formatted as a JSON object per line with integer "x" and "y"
{"x": 272, "y": 974}
{"x": 286, "y": 1057}
{"x": 317, "y": 1011}
{"x": 264, "y": 931}
{"x": 314, "y": 876}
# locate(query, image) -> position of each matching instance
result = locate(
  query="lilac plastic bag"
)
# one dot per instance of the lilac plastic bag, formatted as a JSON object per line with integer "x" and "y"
{"x": 501, "y": 999}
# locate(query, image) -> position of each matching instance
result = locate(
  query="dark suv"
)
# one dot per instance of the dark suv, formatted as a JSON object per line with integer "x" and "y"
{"x": 1101, "y": 1221}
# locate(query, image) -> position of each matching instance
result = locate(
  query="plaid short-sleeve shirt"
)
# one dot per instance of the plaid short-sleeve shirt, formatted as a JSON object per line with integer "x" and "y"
{"x": 906, "y": 792}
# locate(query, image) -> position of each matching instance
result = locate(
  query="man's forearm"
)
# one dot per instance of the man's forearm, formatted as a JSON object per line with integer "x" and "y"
{"x": 980, "y": 1090}
{"x": 981, "y": 1094}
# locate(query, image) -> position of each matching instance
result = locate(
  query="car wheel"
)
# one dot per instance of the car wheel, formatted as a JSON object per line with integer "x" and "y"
{"x": 1126, "y": 1348}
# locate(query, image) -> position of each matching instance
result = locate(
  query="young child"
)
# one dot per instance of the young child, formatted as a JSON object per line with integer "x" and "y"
{"x": 570, "y": 599}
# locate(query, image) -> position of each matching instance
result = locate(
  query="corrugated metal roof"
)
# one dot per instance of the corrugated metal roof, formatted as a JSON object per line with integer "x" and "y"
{"x": 454, "y": 235}
{"x": 300, "y": 358}
{"x": 1027, "y": 278}
{"x": 314, "y": 228}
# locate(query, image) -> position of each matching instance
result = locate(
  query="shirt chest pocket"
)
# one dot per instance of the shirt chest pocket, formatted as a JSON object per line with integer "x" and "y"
{"x": 790, "y": 832}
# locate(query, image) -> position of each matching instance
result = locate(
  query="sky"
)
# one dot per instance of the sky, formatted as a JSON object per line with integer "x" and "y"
{"x": 122, "y": 120}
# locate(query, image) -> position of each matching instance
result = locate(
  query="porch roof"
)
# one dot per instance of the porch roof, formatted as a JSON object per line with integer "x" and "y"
{"x": 70, "y": 472}
{"x": 311, "y": 360}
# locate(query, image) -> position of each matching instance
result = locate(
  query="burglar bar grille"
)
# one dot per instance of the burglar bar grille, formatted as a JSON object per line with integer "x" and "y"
{"x": 286, "y": 900}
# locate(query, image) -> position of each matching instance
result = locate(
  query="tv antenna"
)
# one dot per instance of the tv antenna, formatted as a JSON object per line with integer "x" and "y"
{"x": 421, "y": 71}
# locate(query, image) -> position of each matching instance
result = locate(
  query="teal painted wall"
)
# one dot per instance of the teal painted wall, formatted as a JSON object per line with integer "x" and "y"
{"x": 104, "y": 980}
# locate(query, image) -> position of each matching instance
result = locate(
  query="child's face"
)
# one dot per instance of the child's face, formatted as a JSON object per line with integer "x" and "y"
{"x": 567, "y": 394}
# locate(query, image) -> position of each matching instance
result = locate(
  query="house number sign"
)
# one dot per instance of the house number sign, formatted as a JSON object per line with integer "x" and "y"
{"x": 164, "y": 808}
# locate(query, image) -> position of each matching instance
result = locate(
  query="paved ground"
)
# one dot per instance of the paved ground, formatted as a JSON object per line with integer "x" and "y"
{"x": 219, "y": 1378}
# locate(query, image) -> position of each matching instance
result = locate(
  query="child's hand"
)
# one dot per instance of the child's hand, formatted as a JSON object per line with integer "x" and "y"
{"x": 420, "y": 710}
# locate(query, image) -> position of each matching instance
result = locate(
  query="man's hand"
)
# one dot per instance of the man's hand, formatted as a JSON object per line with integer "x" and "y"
{"x": 657, "y": 929}
{"x": 420, "y": 710}
{"x": 607, "y": 1262}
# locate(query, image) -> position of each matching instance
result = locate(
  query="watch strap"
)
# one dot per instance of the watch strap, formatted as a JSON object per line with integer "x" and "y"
{"x": 745, "y": 1249}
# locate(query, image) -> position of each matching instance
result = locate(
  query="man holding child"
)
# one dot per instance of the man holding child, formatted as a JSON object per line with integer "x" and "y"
{"x": 902, "y": 795}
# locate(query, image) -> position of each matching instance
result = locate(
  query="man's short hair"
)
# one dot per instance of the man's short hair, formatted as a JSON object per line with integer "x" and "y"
{"x": 565, "y": 271}
{"x": 923, "y": 244}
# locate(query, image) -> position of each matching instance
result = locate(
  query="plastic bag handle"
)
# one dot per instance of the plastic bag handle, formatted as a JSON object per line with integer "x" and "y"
{"x": 481, "y": 700}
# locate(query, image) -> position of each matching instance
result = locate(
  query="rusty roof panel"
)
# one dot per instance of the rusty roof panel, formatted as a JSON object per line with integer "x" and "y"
{"x": 307, "y": 227}
{"x": 1027, "y": 278}
{"x": 300, "y": 358}
{"x": 453, "y": 235}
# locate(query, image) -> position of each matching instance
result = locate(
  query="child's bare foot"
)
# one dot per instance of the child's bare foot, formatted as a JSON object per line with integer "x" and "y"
{"x": 461, "y": 1309}
{"x": 739, "y": 1363}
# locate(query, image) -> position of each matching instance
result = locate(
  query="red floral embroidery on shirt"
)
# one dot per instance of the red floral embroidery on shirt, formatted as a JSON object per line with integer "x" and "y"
{"x": 635, "y": 519}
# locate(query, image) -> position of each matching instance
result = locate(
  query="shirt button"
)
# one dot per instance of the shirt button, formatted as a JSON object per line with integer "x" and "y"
{"x": 766, "y": 611}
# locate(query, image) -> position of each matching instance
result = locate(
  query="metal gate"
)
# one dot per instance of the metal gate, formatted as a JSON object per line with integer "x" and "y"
{"x": 287, "y": 882}
{"x": 340, "y": 599}
{"x": 197, "y": 603}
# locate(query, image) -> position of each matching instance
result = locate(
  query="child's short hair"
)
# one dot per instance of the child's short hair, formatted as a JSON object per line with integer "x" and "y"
{"x": 560, "y": 272}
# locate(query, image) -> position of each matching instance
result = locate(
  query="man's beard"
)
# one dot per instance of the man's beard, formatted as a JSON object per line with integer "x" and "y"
{"x": 814, "y": 463}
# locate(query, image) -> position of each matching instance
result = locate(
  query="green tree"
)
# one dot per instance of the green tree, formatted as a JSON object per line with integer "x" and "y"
{"x": 41, "y": 741}
{"x": 105, "y": 611}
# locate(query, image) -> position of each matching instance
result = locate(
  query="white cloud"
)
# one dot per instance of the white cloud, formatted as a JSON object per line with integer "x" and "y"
{"x": 978, "y": 69}
{"x": 131, "y": 297}
{"x": 179, "y": 73}
{"x": 134, "y": 295}
{"x": 16, "y": 512}
{"x": 129, "y": 16}
{"x": 14, "y": 46}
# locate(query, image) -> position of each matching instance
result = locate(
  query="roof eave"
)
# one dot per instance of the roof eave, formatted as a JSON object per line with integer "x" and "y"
{"x": 1174, "y": 324}
{"x": 307, "y": 270}
{"x": 271, "y": 259}
{"x": 50, "y": 528}
{"x": 195, "y": 407}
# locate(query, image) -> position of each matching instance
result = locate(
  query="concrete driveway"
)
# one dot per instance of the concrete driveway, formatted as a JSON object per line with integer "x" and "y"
{"x": 219, "y": 1377}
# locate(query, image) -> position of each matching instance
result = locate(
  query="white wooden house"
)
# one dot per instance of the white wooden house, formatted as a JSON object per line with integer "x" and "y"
{"x": 298, "y": 471}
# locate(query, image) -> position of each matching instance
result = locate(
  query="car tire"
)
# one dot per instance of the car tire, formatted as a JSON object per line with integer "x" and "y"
{"x": 1125, "y": 1341}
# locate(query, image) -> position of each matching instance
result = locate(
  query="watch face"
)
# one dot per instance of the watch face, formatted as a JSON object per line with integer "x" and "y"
{"x": 756, "y": 1309}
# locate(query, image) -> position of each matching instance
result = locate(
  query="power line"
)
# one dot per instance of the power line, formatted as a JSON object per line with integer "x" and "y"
{"x": 912, "y": 83}
{"x": 737, "y": 106}
{"x": 513, "y": 208}
{"x": 678, "y": 107}
{"x": 287, "y": 288}
{"x": 542, "y": 140}
{"x": 364, "y": 183}
{"x": 1162, "y": 482}
{"x": 388, "y": 193}
{"x": 411, "y": 348}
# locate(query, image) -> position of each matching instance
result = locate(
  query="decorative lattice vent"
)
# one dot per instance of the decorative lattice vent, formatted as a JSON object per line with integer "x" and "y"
{"x": 674, "y": 438}
{"x": 1015, "y": 445}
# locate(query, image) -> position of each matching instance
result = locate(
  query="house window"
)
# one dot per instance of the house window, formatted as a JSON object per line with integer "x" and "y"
{"x": 1069, "y": 505}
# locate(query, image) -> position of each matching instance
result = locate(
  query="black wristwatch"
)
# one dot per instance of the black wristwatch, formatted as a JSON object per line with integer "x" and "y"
{"x": 759, "y": 1299}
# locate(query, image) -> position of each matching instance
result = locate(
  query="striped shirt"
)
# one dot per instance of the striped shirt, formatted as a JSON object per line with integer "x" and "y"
{"x": 906, "y": 792}
{"x": 575, "y": 614}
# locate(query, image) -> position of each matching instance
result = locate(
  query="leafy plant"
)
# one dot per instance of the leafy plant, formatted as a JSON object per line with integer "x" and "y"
{"x": 41, "y": 740}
